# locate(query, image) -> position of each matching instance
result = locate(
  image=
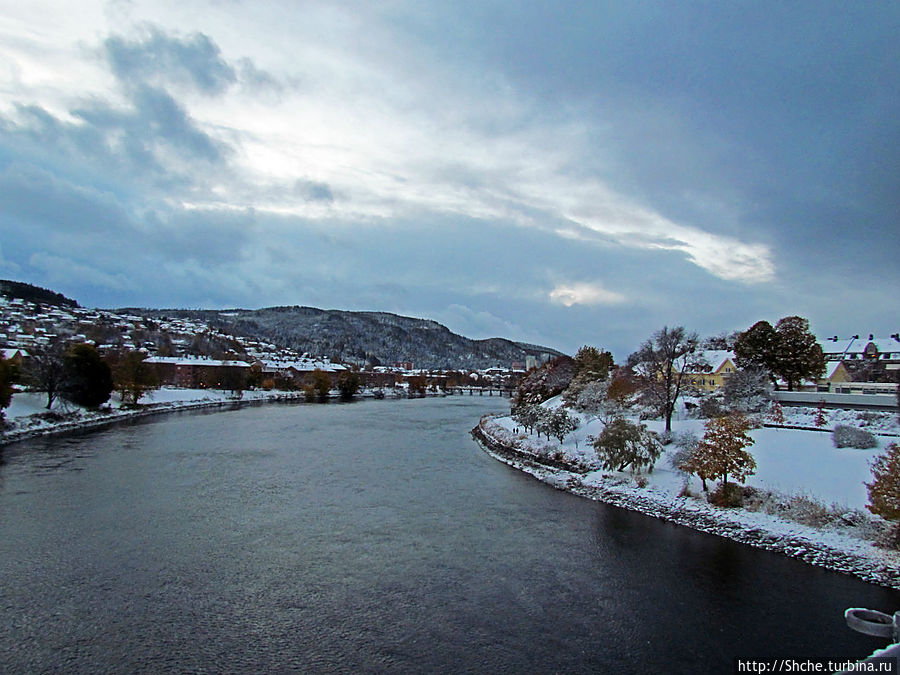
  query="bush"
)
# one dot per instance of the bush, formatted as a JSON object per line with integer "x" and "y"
{"x": 710, "y": 407}
{"x": 851, "y": 437}
{"x": 884, "y": 490}
{"x": 729, "y": 495}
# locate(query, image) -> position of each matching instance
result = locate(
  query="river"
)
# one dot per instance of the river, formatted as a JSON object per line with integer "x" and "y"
{"x": 375, "y": 537}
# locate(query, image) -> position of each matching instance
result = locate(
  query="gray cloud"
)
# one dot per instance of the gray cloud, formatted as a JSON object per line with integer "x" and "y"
{"x": 194, "y": 59}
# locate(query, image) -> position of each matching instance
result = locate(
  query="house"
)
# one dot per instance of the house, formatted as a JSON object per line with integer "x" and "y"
{"x": 719, "y": 367}
{"x": 17, "y": 356}
{"x": 865, "y": 348}
{"x": 194, "y": 373}
{"x": 836, "y": 373}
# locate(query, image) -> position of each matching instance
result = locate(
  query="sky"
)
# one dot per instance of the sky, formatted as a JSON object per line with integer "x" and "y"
{"x": 562, "y": 173}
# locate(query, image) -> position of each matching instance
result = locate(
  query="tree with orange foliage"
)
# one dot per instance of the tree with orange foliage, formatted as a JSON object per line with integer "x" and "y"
{"x": 722, "y": 450}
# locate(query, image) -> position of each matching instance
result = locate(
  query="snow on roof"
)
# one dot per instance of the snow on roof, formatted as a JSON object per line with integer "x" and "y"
{"x": 858, "y": 345}
{"x": 195, "y": 361}
{"x": 302, "y": 365}
{"x": 716, "y": 358}
{"x": 831, "y": 367}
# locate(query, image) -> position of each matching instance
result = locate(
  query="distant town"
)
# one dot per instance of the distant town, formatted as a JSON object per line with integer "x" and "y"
{"x": 193, "y": 354}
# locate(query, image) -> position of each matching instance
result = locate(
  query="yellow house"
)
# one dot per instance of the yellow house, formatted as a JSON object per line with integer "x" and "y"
{"x": 835, "y": 373}
{"x": 720, "y": 365}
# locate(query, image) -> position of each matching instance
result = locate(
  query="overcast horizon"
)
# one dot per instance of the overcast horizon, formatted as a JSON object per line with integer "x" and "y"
{"x": 554, "y": 173}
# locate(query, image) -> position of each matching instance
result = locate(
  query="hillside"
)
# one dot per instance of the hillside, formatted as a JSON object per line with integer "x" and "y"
{"x": 373, "y": 337}
{"x": 23, "y": 291}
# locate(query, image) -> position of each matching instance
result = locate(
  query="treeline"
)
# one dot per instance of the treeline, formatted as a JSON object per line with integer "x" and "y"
{"x": 23, "y": 291}
{"x": 79, "y": 374}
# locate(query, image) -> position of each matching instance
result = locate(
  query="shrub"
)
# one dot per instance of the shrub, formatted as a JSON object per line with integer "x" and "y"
{"x": 884, "y": 490}
{"x": 729, "y": 495}
{"x": 710, "y": 407}
{"x": 851, "y": 437}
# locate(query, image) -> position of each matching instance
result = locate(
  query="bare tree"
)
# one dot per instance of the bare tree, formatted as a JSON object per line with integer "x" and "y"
{"x": 661, "y": 363}
{"x": 47, "y": 370}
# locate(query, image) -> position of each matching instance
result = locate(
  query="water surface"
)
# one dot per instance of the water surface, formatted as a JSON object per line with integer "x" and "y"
{"x": 374, "y": 537}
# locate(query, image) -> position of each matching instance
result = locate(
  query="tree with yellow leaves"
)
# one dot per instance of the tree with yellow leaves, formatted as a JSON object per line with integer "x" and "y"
{"x": 722, "y": 450}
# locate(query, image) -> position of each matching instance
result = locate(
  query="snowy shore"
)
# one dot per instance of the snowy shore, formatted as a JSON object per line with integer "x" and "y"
{"x": 27, "y": 416}
{"x": 842, "y": 549}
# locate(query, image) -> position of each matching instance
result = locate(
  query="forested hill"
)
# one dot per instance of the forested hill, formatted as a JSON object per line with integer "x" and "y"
{"x": 22, "y": 291}
{"x": 375, "y": 337}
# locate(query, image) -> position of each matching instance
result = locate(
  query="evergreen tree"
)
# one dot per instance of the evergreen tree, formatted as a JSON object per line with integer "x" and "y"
{"x": 8, "y": 376}
{"x": 591, "y": 365}
{"x": 87, "y": 380}
{"x": 821, "y": 419}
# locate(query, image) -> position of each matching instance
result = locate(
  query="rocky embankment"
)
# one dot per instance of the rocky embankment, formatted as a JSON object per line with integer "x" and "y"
{"x": 860, "y": 559}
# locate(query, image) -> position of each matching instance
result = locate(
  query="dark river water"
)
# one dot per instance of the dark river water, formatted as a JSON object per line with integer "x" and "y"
{"x": 371, "y": 537}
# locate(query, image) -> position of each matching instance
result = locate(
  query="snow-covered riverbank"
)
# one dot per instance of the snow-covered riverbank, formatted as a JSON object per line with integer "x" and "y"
{"x": 842, "y": 546}
{"x": 28, "y": 417}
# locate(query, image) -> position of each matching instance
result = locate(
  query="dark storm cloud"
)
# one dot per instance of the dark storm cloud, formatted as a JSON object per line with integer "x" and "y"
{"x": 194, "y": 59}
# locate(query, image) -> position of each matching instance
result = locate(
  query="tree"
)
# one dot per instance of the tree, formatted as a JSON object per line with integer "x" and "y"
{"x": 821, "y": 417}
{"x": 661, "y": 363}
{"x": 798, "y": 355}
{"x": 622, "y": 444}
{"x": 527, "y": 415}
{"x": 721, "y": 452}
{"x": 755, "y": 348}
{"x": 46, "y": 370}
{"x": 132, "y": 375}
{"x": 321, "y": 384}
{"x": 545, "y": 382}
{"x": 417, "y": 385}
{"x": 591, "y": 365}
{"x": 604, "y": 400}
{"x": 747, "y": 389}
{"x": 789, "y": 351}
{"x": 560, "y": 424}
{"x": 87, "y": 377}
{"x": 777, "y": 414}
{"x": 884, "y": 490}
{"x": 234, "y": 379}
{"x": 348, "y": 384}
{"x": 8, "y": 376}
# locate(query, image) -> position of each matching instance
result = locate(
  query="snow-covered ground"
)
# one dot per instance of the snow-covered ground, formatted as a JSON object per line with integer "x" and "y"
{"x": 799, "y": 465}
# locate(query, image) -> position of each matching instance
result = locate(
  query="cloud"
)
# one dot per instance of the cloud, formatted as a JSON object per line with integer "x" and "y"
{"x": 195, "y": 60}
{"x": 585, "y": 294}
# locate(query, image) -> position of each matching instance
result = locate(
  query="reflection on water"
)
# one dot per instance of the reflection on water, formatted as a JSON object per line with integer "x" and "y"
{"x": 373, "y": 536}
